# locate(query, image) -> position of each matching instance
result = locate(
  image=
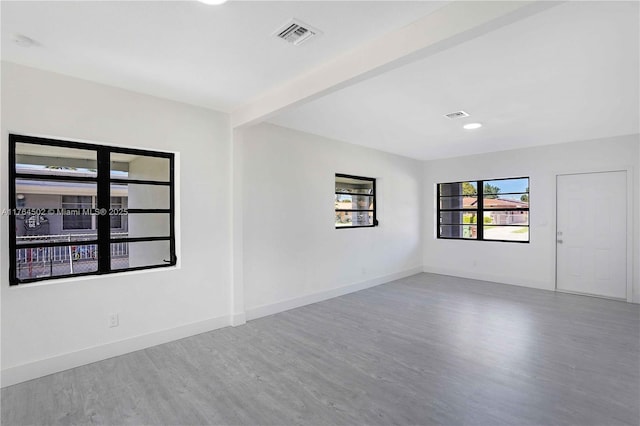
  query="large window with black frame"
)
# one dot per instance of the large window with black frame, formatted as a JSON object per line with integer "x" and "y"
{"x": 84, "y": 209}
{"x": 484, "y": 210}
{"x": 355, "y": 203}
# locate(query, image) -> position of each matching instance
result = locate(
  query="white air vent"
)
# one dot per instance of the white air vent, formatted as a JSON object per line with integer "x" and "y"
{"x": 457, "y": 114}
{"x": 296, "y": 32}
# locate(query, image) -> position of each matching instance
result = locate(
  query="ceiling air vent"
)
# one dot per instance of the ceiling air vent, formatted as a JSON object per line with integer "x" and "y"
{"x": 296, "y": 32}
{"x": 457, "y": 114}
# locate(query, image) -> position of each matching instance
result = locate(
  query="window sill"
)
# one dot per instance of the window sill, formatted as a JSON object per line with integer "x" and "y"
{"x": 68, "y": 280}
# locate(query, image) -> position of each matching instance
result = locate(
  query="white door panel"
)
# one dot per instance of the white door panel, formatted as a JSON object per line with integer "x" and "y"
{"x": 592, "y": 233}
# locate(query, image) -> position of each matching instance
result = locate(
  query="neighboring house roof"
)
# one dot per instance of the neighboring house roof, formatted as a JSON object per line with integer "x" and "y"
{"x": 504, "y": 204}
{"x": 499, "y": 203}
{"x": 58, "y": 187}
{"x": 26, "y": 186}
{"x": 347, "y": 205}
{"x": 469, "y": 202}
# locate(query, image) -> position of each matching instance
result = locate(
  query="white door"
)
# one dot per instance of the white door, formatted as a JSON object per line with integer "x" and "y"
{"x": 592, "y": 234}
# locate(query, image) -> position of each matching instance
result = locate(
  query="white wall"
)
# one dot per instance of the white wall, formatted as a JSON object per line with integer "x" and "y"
{"x": 292, "y": 253}
{"x": 286, "y": 250}
{"x": 531, "y": 264}
{"x": 47, "y": 321}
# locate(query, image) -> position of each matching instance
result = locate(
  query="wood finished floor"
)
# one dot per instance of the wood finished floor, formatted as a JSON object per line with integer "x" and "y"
{"x": 427, "y": 350}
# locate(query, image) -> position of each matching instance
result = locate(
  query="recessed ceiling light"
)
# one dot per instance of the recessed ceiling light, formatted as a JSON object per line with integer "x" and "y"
{"x": 23, "y": 41}
{"x": 213, "y": 2}
{"x": 472, "y": 126}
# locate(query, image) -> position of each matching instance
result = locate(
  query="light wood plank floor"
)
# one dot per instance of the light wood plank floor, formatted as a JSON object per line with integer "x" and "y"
{"x": 428, "y": 349}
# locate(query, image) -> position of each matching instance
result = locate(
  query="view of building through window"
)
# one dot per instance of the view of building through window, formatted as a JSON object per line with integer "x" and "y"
{"x": 503, "y": 205}
{"x": 355, "y": 201}
{"x": 61, "y": 228}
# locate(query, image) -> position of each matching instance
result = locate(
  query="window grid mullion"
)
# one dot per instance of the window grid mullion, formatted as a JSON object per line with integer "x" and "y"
{"x": 57, "y": 244}
{"x": 104, "y": 201}
{"x": 12, "y": 205}
{"x": 480, "y": 221}
{"x": 47, "y": 176}
{"x": 438, "y": 212}
{"x": 172, "y": 205}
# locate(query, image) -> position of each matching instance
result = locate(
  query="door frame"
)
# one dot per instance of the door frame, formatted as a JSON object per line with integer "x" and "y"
{"x": 630, "y": 223}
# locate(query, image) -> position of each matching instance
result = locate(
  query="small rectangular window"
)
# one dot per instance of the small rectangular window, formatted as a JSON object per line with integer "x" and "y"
{"x": 486, "y": 210}
{"x": 77, "y": 212}
{"x": 84, "y": 209}
{"x": 355, "y": 203}
{"x": 117, "y": 211}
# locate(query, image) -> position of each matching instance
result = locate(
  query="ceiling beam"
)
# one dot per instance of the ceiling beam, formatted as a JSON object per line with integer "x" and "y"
{"x": 446, "y": 27}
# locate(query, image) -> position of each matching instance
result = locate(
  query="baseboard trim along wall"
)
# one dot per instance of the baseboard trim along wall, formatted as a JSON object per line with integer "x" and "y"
{"x": 33, "y": 370}
{"x": 296, "y": 302}
{"x": 238, "y": 319}
{"x": 44, "y": 367}
{"x": 520, "y": 282}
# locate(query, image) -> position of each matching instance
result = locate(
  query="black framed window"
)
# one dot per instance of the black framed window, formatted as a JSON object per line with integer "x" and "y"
{"x": 82, "y": 209}
{"x": 484, "y": 210}
{"x": 355, "y": 203}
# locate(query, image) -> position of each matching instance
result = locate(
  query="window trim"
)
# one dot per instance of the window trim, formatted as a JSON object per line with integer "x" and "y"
{"x": 373, "y": 195}
{"x": 481, "y": 209}
{"x": 103, "y": 200}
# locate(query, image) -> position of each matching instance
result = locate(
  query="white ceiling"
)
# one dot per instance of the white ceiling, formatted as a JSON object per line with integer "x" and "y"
{"x": 214, "y": 56}
{"x": 568, "y": 73}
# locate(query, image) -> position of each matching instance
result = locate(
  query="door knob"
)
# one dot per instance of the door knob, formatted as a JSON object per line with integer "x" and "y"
{"x": 559, "y": 241}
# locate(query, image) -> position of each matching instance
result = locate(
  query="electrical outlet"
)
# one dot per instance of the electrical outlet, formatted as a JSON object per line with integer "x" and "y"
{"x": 113, "y": 320}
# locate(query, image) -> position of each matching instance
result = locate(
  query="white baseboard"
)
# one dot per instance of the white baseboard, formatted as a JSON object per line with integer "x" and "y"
{"x": 33, "y": 370}
{"x": 238, "y": 319}
{"x": 296, "y": 302}
{"x": 520, "y": 281}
